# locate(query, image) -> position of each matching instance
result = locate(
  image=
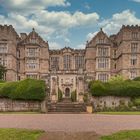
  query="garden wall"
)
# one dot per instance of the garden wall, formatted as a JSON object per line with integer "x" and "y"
{"x": 19, "y": 105}
{"x": 100, "y": 103}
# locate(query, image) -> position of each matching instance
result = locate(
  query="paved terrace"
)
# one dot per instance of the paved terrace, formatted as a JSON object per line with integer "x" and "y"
{"x": 101, "y": 124}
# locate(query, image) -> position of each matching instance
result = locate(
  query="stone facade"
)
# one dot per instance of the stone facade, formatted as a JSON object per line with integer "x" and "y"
{"x": 67, "y": 69}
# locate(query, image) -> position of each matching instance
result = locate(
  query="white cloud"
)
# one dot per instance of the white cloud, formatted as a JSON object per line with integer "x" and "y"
{"x": 113, "y": 25}
{"x": 50, "y": 23}
{"x": 136, "y": 0}
{"x": 65, "y": 19}
{"x": 26, "y": 14}
{"x": 54, "y": 45}
{"x": 80, "y": 46}
{"x": 23, "y": 24}
{"x": 91, "y": 35}
{"x": 31, "y": 5}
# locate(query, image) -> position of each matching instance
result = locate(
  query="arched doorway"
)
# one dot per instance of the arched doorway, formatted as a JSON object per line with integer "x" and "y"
{"x": 67, "y": 92}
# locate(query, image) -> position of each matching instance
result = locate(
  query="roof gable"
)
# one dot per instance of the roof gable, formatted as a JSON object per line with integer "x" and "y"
{"x": 34, "y": 38}
{"x": 100, "y": 36}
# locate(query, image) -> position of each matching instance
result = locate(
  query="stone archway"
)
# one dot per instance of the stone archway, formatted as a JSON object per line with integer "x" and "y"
{"x": 67, "y": 92}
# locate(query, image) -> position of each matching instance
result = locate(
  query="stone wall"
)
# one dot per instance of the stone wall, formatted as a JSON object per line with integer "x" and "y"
{"x": 109, "y": 102}
{"x": 17, "y": 105}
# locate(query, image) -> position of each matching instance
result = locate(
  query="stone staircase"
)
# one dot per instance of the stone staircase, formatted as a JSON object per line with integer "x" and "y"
{"x": 66, "y": 106}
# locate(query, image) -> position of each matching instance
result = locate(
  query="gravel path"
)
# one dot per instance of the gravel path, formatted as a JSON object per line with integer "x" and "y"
{"x": 101, "y": 124}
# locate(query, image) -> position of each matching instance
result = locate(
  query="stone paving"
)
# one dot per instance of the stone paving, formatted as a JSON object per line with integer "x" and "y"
{"x": 101, "y": 124}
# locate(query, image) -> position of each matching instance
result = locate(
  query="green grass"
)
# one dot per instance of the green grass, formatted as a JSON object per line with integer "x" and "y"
{"x": 123, "y": 135}
{"x": 119, "y": 113}
{"x": 19, "y": 134}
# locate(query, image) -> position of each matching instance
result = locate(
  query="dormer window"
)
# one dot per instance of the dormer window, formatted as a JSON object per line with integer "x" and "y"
{"x": 134, "y": 35}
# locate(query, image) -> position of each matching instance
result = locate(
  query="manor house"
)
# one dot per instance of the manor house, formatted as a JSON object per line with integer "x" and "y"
{"x": 68, "y": 69}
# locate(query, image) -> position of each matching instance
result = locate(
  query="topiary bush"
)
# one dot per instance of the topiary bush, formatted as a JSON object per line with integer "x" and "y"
{"x": 74, "y": 96}
{"x": 29, "y": 89}
{"x": 60, "y": 95}
{"x": 85, "y": 97}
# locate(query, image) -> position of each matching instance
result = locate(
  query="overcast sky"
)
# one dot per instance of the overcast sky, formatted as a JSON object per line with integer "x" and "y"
{"x": 69, "y": 22}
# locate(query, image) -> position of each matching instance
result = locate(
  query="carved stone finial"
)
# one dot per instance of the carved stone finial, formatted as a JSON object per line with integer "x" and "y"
{"x": 33, "y": 29}
{"x": 101, "y": 29}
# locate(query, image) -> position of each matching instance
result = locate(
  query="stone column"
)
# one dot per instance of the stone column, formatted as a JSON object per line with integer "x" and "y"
{"x": 54, "y": 89}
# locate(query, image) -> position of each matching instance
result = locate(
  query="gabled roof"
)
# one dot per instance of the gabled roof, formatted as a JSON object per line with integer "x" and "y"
{"x": 99, "y": 34}
{"x": 33, "y": 35}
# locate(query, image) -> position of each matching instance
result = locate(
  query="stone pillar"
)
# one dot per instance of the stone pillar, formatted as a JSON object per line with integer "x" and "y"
{"x": 54, "y": 89}
{"x": 80, "y": 90}
{"x": 44, "y": 106}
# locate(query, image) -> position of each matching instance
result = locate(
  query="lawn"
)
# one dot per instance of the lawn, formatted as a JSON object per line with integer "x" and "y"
{"x": 119, "y": 113}
{"x": 123, "y": 135}
{"x": 19, "y": 134}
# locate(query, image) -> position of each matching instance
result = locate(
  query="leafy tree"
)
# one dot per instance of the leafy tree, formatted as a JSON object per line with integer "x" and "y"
{"x": 2, "y": 72}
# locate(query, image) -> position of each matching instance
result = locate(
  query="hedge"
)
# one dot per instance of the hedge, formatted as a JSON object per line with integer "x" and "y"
{"x": 60, "y": 95}
{"x": 28, "y": 89}
{"x": 73, "y": 96}
{"x": 123, "y": 88}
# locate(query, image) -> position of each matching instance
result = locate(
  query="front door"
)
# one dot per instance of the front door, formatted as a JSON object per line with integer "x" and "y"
{"x": 67, "y": 92}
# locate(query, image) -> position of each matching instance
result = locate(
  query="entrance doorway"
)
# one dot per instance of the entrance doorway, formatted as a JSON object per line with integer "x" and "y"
{"x": 67, "y": 92}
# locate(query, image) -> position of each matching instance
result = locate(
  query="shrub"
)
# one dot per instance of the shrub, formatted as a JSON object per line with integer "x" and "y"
{"x": 136, "y": 101}
{"x": 85, "y": 97}
{"x": 73, "y": 96}
{"x": 60, "y": 95}
{"x": 7, "y": 89}
{"x": 115, "y": 88}
{"x": 117, "y": 78}
{"x": 136, "y": 79}
{"x": 28, "y": 89}
{"x": 97, "y": 88}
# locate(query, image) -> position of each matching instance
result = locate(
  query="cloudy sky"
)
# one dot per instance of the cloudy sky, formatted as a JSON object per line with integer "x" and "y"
{"x": 69, "y": 22}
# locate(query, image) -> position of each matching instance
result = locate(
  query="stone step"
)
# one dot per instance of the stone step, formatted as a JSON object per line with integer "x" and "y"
{"x": 66, "y": 107}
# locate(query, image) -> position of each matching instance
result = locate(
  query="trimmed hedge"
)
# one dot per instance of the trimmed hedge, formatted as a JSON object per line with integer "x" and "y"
{"x": 28, "y": 89}
{"x": 60, "y": 95}
{"x": 74, "y": 96}
{"x": 123, "y": 88}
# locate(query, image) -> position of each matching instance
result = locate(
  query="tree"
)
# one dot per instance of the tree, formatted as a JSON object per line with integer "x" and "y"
{"x": 2, "y": 72}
